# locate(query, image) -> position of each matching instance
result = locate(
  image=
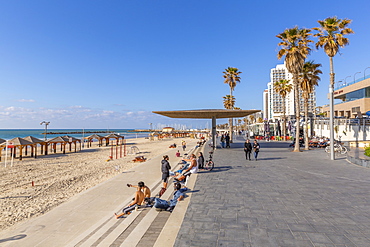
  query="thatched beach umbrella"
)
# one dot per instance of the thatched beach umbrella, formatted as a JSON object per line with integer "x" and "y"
{"x": 35, "y": 141}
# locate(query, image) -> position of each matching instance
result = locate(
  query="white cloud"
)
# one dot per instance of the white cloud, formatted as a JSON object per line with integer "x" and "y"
{"x": 26, "y": 100}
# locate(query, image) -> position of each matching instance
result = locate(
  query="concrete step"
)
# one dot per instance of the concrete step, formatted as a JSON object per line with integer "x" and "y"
{"x": 128, "y": 231}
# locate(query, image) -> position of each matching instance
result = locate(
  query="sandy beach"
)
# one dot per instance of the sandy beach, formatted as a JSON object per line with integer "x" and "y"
{"x": 58, "y": 177}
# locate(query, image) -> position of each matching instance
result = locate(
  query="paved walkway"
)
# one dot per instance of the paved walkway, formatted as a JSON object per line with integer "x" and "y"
{"x": 283, "y": 199}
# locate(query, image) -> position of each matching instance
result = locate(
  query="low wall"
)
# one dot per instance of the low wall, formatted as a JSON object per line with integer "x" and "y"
{"x": 348, "y": 130}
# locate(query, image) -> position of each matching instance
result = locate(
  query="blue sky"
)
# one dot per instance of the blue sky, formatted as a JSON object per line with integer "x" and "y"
{"x": 100, "y": 64}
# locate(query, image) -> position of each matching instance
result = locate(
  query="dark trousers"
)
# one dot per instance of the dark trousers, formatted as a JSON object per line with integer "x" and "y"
{"x": 255, "y": 155}
{"x": 248, "y": 155}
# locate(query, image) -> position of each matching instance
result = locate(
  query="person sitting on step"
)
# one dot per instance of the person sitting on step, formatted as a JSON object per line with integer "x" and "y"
{"x": 137, "y": 201}
{"x": 178, "y": 195}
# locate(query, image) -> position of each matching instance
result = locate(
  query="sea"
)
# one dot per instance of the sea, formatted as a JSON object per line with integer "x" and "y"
{"x": 8, "y": 134}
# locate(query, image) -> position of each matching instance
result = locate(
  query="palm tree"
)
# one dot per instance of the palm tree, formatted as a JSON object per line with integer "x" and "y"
{"x": 252, "y": 118}
{"x": 283, "y": 87}
{"x": 309, "y": 78}
{"x": 294, "y": 46}
{"x": 330, "y": 37}
{"x": 232, "y": 77}
{"x": 229, "y": 102}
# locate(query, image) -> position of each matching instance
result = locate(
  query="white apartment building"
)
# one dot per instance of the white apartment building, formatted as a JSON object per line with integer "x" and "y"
{"x": 273, "y": 105}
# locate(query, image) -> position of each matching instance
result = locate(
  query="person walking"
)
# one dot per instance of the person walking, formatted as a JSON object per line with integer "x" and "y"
{"x": 165, "y": 170}
{"x": 222, "y": 139}
{"x": 183, "y": 145}
{"x": 247, "y": 149}
{"x": 256, "y": 149}
{"x": 227, "y": 139}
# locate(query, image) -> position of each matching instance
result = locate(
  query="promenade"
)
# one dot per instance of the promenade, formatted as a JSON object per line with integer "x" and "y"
{"x": 283, "y": 199}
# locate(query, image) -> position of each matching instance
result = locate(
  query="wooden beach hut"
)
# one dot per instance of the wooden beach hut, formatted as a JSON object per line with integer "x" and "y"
{"x": 36, "y": 141}
{"x": 19, "y": 143}
{"x": 95, "y": 136}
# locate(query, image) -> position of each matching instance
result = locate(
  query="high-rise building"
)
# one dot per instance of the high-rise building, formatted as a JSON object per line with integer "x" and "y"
{"x": 273, "y": 102}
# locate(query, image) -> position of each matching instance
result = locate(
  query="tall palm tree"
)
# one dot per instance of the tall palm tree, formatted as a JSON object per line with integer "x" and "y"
{"x": 309, "y": 78}
{"x": 283, "y": 87}
{"x": 232, "y": 77}
{"x": 295, "y": 47}
{"x": 330, "y": 37}
{"x": 229, "y": 101}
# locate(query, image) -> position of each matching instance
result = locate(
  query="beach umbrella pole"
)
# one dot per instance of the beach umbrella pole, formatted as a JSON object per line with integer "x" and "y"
{"x": 6, "y": 151}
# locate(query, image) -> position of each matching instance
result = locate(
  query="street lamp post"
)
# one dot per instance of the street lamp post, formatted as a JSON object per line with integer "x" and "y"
{"x": 345, "y": 80}
{"x": 338, "y": 84}
{"x": 354, "y": 77}
{"x": 46, "y": 128}
{"x": 365, "y": 70}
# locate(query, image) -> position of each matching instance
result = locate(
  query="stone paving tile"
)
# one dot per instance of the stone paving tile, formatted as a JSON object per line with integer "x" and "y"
{"x": 319, "y": 238}
{"x": 283, "y": 199}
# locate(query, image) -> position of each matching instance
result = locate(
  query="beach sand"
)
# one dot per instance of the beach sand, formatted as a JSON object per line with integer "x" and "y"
{"x": 58, "y": 177}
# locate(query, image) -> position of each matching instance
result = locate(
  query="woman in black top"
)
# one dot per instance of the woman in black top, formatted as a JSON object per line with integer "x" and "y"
{"x": 165, "y": 170}
{"x": 200, "y": 160}
{"x": 247, "y": 149}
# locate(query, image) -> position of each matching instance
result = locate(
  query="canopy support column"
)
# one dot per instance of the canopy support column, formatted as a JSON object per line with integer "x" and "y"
{"x": 214, "y": 132}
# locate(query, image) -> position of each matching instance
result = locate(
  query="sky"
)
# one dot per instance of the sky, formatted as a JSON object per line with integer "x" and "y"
{"x": 109, "y": 64}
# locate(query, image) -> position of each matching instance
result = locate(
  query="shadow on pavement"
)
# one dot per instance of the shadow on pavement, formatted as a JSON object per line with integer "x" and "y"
{"x": 192, "y": 191}
{"x": 218, "y": 169}
{"x": 16, "y": 237}
{"x": 279, "y": 158}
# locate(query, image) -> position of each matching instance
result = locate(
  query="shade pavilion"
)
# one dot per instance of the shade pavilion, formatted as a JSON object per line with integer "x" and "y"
{"x": 94, "y": 136}
{"x": 63, "y": 141}
{"x": 35, "y": 141}
{"x": 207, "y": 114}
{"x": 2, "y": 145}
{"x": 19, "y": 143}
{"x": 113, "y": 136}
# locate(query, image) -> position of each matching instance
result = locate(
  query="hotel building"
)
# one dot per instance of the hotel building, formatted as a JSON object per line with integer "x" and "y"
{"x": 273, "y": 102}
{"x": 351, "y": 99}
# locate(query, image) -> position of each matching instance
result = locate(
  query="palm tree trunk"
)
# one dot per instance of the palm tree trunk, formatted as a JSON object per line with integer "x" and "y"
{"x": 231, "y": 120}
{"x": 306, "y": 123}
{"x": 331, "y": 123}
{"x": 297, "y": 112}
{"x": 284, "y": 119}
